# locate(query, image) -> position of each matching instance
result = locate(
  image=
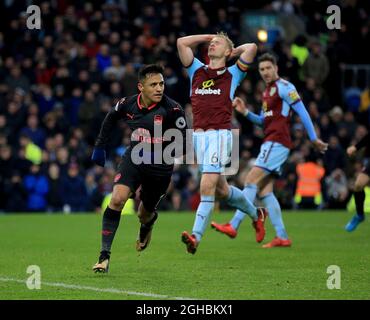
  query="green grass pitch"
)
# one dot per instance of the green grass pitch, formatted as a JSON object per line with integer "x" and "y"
{"x": 66, "y": 246}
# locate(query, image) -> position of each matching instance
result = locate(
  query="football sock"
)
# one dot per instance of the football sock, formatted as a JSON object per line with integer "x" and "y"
{"x": 359, "y": 201}
{"x": 237, "y": 200}
{"x": 202, "y": 216}
{"x": 272, "y": 204}
{"x": 249, "y": 192}
{"x": 111, "y": 220}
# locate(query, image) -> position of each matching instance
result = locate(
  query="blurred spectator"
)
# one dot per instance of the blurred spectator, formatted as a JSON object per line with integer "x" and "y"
{"x": 94, "y": 197}
{"x": 74, "y": 196}
{"x": 365, "y": 100}
{"x": 45, "y": 100}
{"x": 34, "y": 132}
{"x": 17, "y": 80}
{"x": 21, "y": 164}
{"x": 335, "y": 156}
{"x": 6, "y": 170}
{"x": 129, "y": 80}
{"x": 337, "y": 190}
{"x": 4, "y": 129}
{"x": 73, "y": 106}
{"x": 54, "y": 196}
{"x": 16, "y": 194}
{"x": 33, "y": 153}
{"x": 15, "y": 117}
{"x": 289, "y": 65}
{"x": 37, "y": 187}
{"x": 62, "y": 159}
{"x": 299, "y": 49}
{"x": 321, "y": 100}
{"x": 91, "y": 45}
{"x": 316, "y": 65}
{"x": 115, "y": 71}
{"x": 308, "y": 192}
{"x": 103, "y": 58}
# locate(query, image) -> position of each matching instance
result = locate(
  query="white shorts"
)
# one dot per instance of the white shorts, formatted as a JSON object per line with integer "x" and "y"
{"x": 272, "y": 156}
{"x": 213, "y": 150}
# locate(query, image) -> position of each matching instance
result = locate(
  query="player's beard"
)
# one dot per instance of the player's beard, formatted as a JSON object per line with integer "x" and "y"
{"x": 269, "y": 80}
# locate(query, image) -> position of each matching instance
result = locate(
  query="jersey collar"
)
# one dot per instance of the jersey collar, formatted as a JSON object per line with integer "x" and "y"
{"x": 142, "y": 107}
{"x": 215, "y": 72}
{"x": 273, "y": 82}
{"x": 216, "y": 69}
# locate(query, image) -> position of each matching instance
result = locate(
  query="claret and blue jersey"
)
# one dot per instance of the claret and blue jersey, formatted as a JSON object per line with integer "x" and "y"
{"x": 212, "y": 92}
{"x": 279, "y": 98}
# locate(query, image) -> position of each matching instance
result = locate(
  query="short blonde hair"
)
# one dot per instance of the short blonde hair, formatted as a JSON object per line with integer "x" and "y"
{"x": 224, "y": 35}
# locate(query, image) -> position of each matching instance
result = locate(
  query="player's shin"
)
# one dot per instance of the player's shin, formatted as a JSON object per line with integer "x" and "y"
{"x": 359, "y": 201}
{"x": 274, "y": 210}
{"x": 203, "y": 214}
{"x": 237, "y": 200}
{"x": 249, "y": 192}
{"x": 111, "y": 219}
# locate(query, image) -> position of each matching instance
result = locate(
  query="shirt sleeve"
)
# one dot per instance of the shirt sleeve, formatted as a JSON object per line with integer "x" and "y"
{"x": 179, "y": 118}
{"x": 256, "y": 119}
{"x": 288, "y": 92}
{"x": 306, "y": 119}
{"x": 195, "y": 65}
{"x": 179, "y": 123}
{"x": 109, "y": 122}
{"x": 238, "y": 72}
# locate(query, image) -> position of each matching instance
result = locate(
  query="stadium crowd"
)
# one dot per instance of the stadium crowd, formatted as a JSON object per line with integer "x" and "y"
{"x": 58, "y": 83}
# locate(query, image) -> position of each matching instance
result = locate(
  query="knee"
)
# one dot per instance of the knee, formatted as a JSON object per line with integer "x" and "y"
{"x": 117, "y": 202}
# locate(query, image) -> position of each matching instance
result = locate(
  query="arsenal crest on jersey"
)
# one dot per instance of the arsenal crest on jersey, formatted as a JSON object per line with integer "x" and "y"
{"x": 272, "y": 91}
{"x": 158, "y": 119}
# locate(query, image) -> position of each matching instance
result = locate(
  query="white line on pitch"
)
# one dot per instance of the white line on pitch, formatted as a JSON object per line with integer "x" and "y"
{"x": 109, "y": 290}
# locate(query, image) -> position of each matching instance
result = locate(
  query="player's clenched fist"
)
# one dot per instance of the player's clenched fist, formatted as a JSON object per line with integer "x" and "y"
{"x": 240, "y": 106}
{"x": 320, "y": 145}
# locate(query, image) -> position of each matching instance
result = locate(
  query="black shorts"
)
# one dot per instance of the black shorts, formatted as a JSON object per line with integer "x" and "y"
{"x": 153, "y": 185}
{"x": 366, "y": 167}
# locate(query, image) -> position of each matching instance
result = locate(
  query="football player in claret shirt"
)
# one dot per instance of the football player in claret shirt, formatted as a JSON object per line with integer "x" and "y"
{"x": 212, "y": 91}
{"x": 143, "y": 164}
{"x": 279, "y": 98}
{"x": 361, "y": 182}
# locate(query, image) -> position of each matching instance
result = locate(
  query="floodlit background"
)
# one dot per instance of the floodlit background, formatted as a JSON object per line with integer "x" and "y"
{"x": 58, "y": 82}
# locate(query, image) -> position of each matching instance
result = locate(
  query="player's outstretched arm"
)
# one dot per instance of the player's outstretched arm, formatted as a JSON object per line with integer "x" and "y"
{"x": 239, "y": 106}
{"x": 99, "y": 153}
{"x": 299, "y": 108}
{"x": 320, "y": 145}
{"x": 185, "y": 44}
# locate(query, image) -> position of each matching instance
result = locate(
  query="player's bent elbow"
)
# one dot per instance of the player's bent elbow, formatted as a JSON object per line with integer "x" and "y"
{"x": 252, "y": 47}
{"x": 180, "y": 42}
